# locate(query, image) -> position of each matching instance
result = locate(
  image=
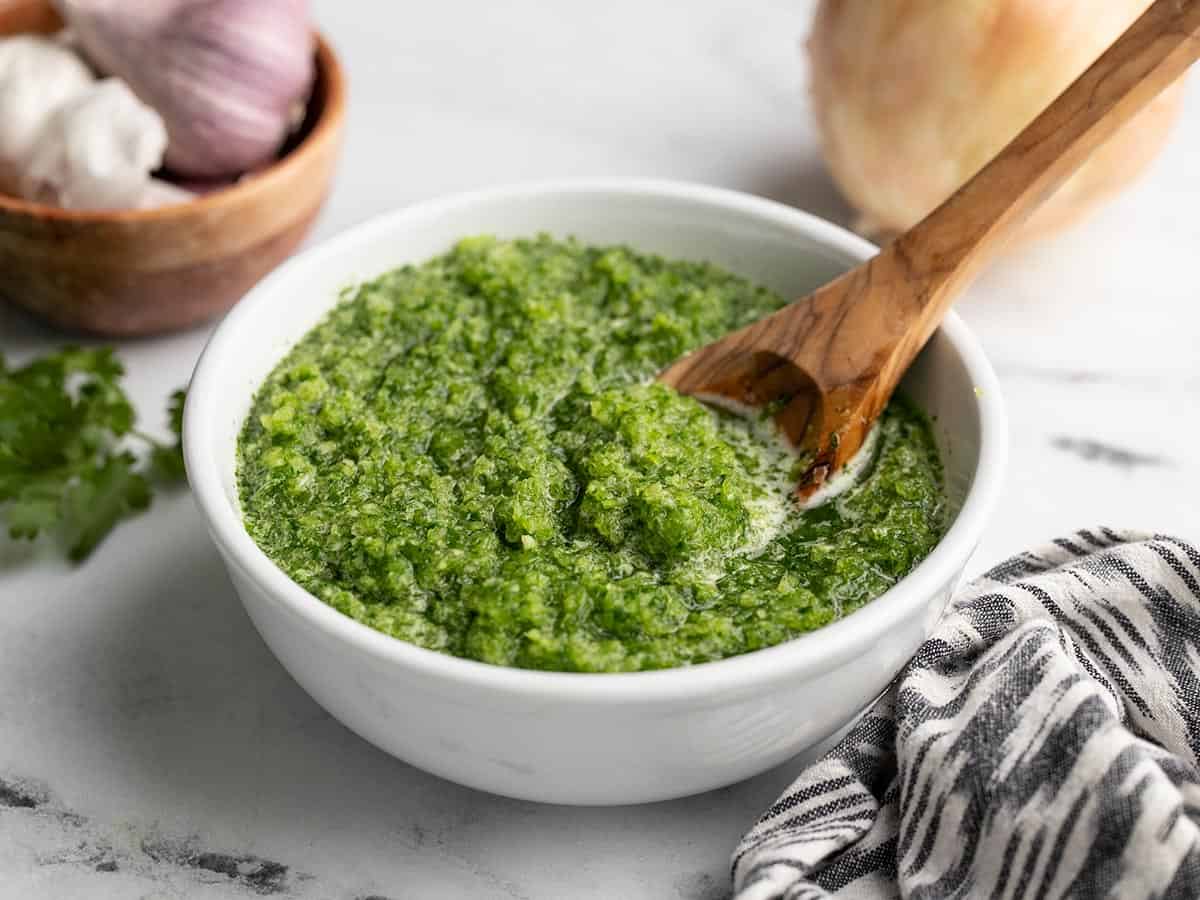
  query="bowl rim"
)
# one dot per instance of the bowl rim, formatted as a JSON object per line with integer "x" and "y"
{"x": 327, "y": 69}
{"x": 814, "y": 652}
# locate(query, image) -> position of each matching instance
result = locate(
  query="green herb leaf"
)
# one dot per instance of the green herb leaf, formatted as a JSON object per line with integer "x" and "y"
{"x": 35, "y": 509}
{"x": 93, "y": 505}
{"x": 65, "y": 467}
{"x": 166, "y": 461}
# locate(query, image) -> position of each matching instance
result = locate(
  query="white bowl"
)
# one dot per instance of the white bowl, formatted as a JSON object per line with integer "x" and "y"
{"x": 588, "y": 738}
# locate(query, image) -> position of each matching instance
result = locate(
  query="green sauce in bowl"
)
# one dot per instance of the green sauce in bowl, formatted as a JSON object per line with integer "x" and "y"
{"x": 471, "y": 455}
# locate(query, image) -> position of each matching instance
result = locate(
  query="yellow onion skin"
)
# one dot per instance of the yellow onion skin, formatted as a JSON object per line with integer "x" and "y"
{"x": 912, "y": 97}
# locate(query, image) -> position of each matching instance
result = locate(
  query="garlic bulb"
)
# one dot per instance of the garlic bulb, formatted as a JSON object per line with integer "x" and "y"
{"x": 913, "y": 98}
{"x": 70, "y": 140}
{"x": 227, "y": 76}
{"x": 162, "y": 193}
{"x": 37, "y": 74}
{"x": 96, "y": 150}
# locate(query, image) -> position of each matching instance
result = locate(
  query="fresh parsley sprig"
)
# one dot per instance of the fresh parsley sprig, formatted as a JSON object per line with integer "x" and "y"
{"x": 66, "y": 464}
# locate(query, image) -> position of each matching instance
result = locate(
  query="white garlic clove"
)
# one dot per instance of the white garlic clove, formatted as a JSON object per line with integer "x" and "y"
{"x": 37, "y": 74}
{"x": 162, "y": 193}
{"x": 97, "y": 150}
{"x": 226, "y": 75}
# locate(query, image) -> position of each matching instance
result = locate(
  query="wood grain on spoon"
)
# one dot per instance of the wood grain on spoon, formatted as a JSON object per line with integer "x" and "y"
{"x": 834, "y": 357}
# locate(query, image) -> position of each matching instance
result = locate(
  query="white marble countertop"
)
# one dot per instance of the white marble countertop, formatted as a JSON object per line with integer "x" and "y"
{"x": 150, "y": 745}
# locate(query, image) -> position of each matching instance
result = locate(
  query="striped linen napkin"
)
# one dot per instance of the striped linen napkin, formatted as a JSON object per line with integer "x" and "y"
{"x": 1043, "y": 743}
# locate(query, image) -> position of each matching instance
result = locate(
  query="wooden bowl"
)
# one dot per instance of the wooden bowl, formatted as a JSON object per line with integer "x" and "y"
{"x": 136, "y": 272}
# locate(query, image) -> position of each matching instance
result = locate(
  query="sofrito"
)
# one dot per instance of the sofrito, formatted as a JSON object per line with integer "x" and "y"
{"x": 472, "y": 455}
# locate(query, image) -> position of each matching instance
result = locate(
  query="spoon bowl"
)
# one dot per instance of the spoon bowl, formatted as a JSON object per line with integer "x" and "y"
{"x": 830, "y": 361}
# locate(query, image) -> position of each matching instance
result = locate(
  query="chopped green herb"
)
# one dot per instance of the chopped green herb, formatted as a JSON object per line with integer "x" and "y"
{"x": 472, "y": 455}
{"x": 65, "y": 464}
{"x": 166, "y": 460}
{"x": 772, "y": 408}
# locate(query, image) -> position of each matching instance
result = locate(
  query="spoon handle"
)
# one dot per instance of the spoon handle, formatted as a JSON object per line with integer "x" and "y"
{"x": 950, "y": 246}
{"x": 836, "y": 355}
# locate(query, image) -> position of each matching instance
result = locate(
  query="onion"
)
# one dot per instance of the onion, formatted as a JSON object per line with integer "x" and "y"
{"x": 912, "y": 98}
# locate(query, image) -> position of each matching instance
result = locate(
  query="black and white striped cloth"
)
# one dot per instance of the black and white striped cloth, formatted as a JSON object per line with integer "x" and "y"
{"x": 1043, "y": 743}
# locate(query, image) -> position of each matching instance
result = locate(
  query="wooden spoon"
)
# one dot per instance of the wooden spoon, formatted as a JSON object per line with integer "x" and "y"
{"x": 833, "y": 358}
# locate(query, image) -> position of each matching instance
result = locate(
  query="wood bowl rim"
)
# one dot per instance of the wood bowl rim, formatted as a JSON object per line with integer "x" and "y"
{"x": 328, "y": 71}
